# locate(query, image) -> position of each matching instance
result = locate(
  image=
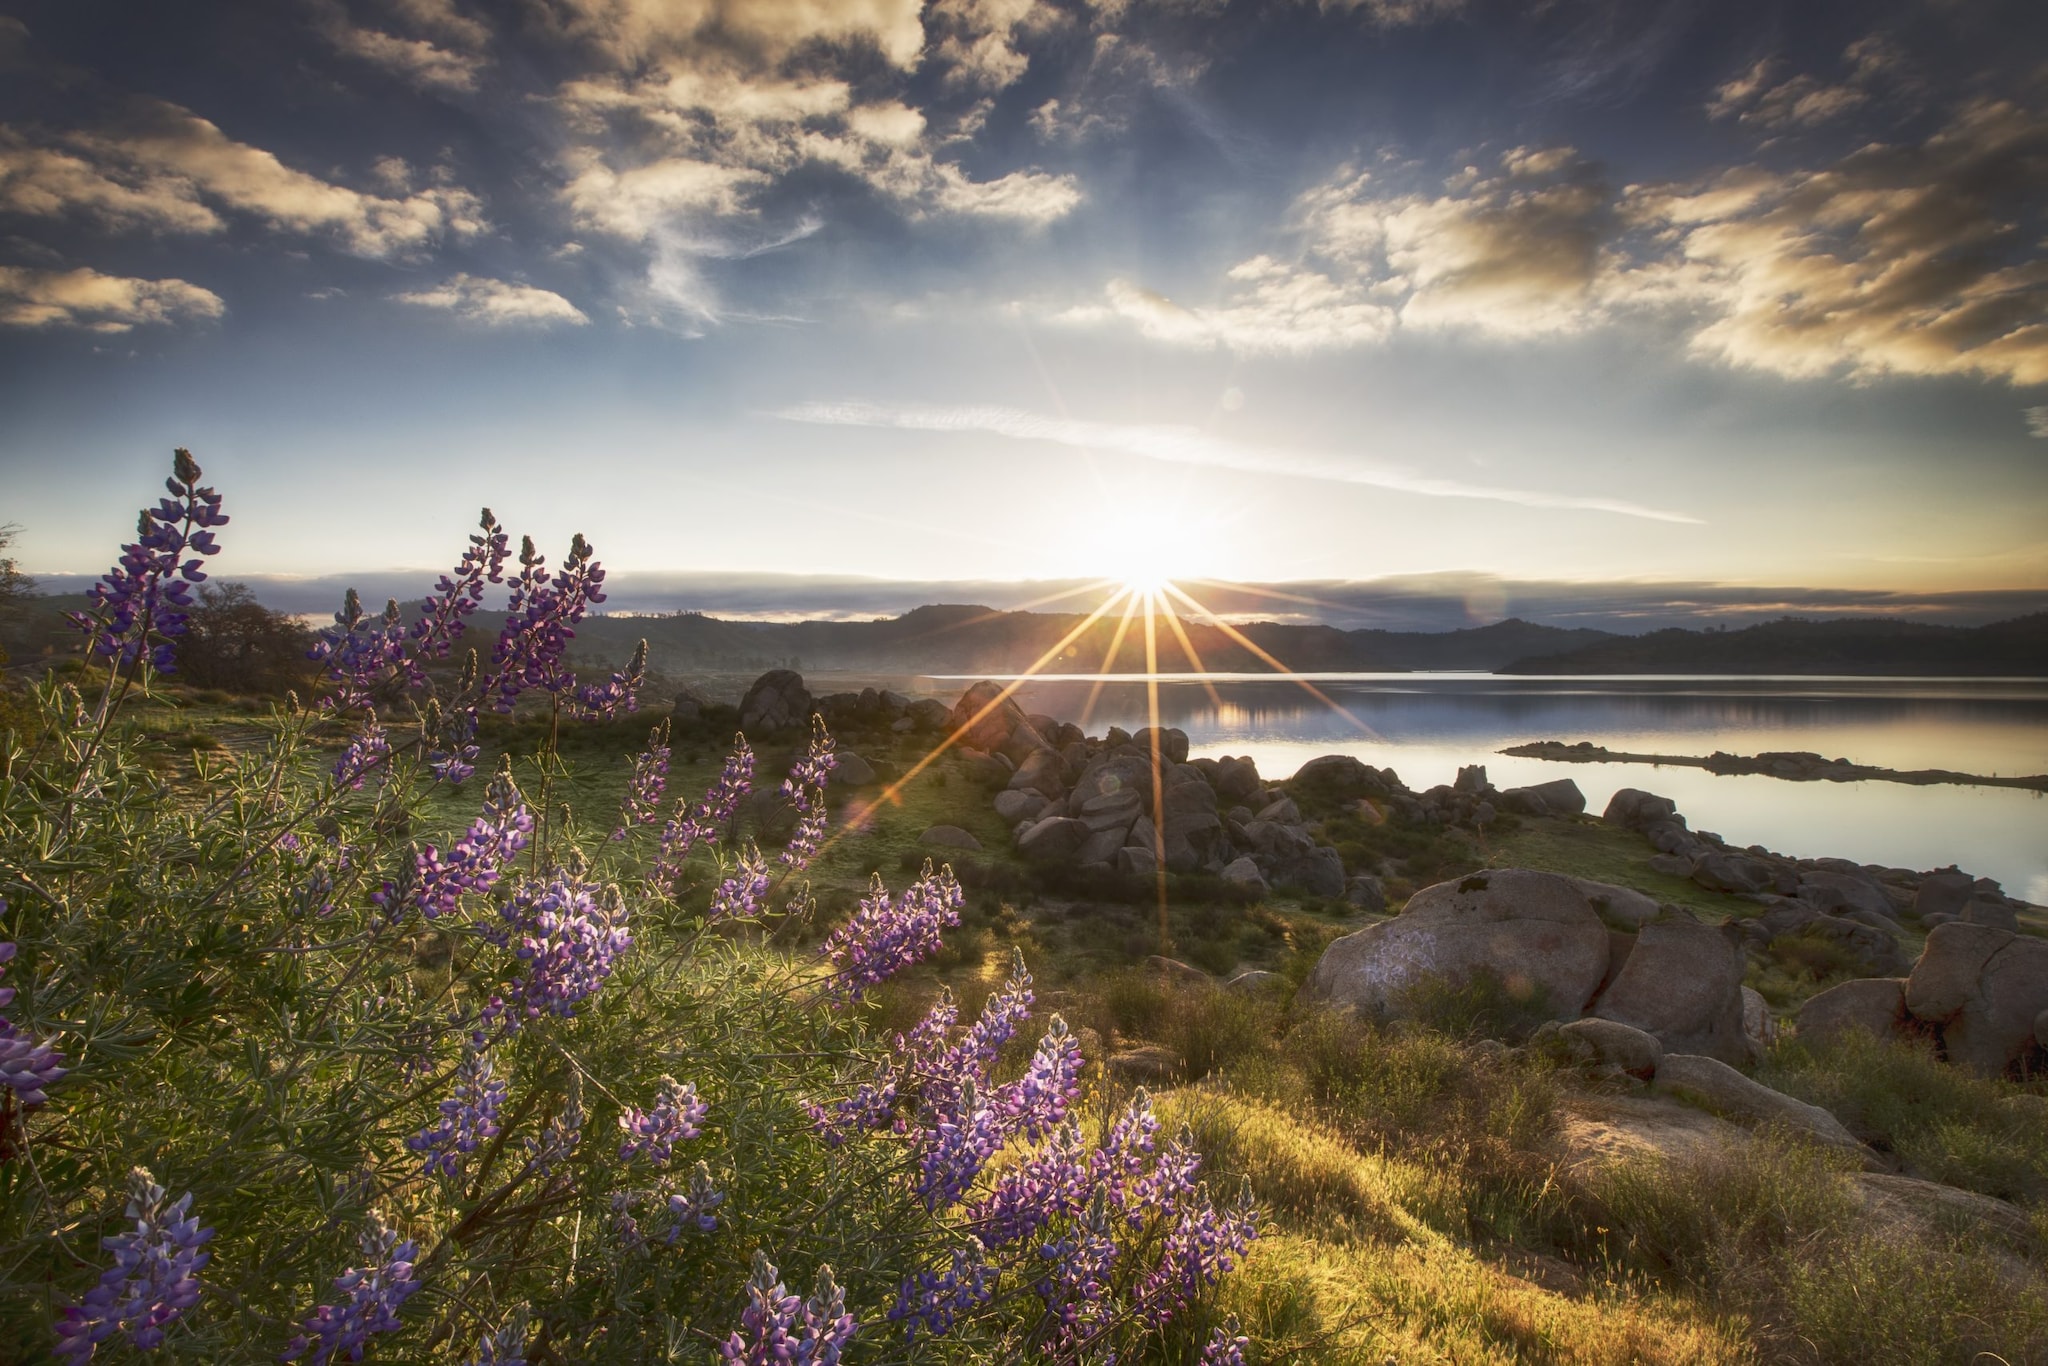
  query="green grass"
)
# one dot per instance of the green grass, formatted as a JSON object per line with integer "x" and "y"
{"x": 1582, "y": 847}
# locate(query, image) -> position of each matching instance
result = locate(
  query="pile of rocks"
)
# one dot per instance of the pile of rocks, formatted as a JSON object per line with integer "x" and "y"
{"x": 778, "y": 701}
{"x": 1102, "y": 802}
{"x": 1979, "y": 992}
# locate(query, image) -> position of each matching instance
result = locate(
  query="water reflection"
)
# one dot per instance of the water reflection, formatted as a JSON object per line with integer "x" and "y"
{"x": 1425, "y": 726}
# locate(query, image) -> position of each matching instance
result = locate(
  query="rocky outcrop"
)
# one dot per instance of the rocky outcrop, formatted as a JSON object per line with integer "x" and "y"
{"x": 1610, "y": 1043}
{"x": 1560, "y": 797}
{"x": 985, "y": 718}
{"x": 1982, "y": 989}
{"x": 1874, "y": 1005}
{"x": 1726, "y": 1091}
{"x": 1682, "y": 982}
{"x": 777, "y": 701}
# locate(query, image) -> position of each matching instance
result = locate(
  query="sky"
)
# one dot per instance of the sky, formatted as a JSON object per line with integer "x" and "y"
{"x": 1597, "y": 311}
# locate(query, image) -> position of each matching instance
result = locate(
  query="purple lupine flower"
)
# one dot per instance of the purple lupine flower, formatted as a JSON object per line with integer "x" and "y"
{"x": 507, "y": 1346}
{"x": 154, "y": 1278}
{"x": 886, "y": 933}
{"x": 962, "y": 1132}
{"x": 363, "y": 753}
{"x": 469, "y": 1117}
{"x": 567, "y": 933}
{"x": 805, "y": 789}
{"x": 691, "y": 1210}
{"x": 621, "y": 692}
{"x": 477, "y": 861}
{"x": 361, "y": 653}
{"x": 738, "y": 894}
{"x": 452, "y": 748}
{"x": 372, "y": 1295}
{"x": 457, "y": 595}
{"x": 779, "y": 1329}
{"x": 1226, "y": 1346}
{"x": 540, "y": 621}
{"x": 558, "y": 1142}
{"x": 650, "y": 779}
{"x": 931, "y": 1300}
{"x": 1001, "y": 1016}
{"x": 870, "y": 1107}
{"x": 675, "y": 1118}
{"x": 27, "y": 1067}
{"x": 706, "y": 821}
{"x": 1049, "y": 1185}
{"x": 1079, "y": 1265}
{"x": 625, "y": 1228}
{"x": 1037, "y": 1102}
{"x": 141, "y": 605}
{"x": 1200, "y": 1246}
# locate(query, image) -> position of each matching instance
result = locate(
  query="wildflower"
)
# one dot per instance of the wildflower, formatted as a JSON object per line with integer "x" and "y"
{"x": 739, "y": 894}
{"x": 691, "y": 1209}
{"x": 142, "y": 604}
{"x": 368, "y": 749}
{"x": 477, "y": 860}
{"x": 621, "y": 692}
{"x": 469, "y": 1118}
{"x": 154, "y": 1278}
{"x": 360, "y": 652}
{"x": 1226, "y": 1346}
{"x": 962, "y": 1132}
{"x": 674, "y": 1119}
{"x": 645, "y": 786}
{"x": 458, "y": 595}
{"x": 540, "y": 621}
{"x": 371, "y": 1296}
{"x": 451, "y": 744}
{"x": 567, "y": 934}
{"x": 1201, "y": 1245}
{"x": 26, "y": 1067}
{"x": 888, "y": 933}
{"x": 702, "y": 823}
{"x": 507, "y": 1346}
{"x": 1037, "y": 1102}
{"x": 805, "y": 789}
{"x": 625, "y": 1227}
{"x": 932, "y": 1300}
{"x": 1078, "y": 1267}
{"x": 777, "y": 1327}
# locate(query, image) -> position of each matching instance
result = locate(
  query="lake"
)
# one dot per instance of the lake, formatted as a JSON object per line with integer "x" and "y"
{"x": 1425, "y": 725}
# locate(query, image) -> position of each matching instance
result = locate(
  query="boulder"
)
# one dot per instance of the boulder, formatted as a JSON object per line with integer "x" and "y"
{"x": 1122, "y": 773}
{"x": 777, "y": 701}
{"x": 1135, "y": 861}
{"x": 1236, "y": 779}
{"x": 1634, "y": 809}
{"x": 690, "y": 704}
{"x": 1559, "y": 796}
{"x": 1188, "y": 838}
{"x": 986, "y": 769}
{"x": 1278, "y": 842}
{"x": 1726, "y": 871}
{"x": 1944, "y": 892}
{"x": 1244, "y": 875}
{"x": 2041, "y": 1029}
{"x": 1341, "y": 775}
{"x": 1040, "y": 773}
{"x": 1757, "y": 1021}
{"x": 985, "y": 717}
{"x": 1101, "y": 846}
{"x": 1672, "y": 865}
{"x": 1014, "y": 806}
{"x": 1319, "y": 872}
{"x": 852, "y": 770}
{"x": 1178, "y": 973}
{"x": 1614, "y": 1044}
{"x": 1874, "y": 1005}
{"x": 1536, "y": 932}
{"x": 1054, "y": 840}
{"x": 1727, "y": 1091}
{"x": 1623, "y": 908}
{"x": 1984, "y": 989}
{"x": 1149, "y": 1064}
{"x": 1173, "y": 744}
{"x": 892, "y": 704}
{"x": 1996, "y": 914}
{"x": 1282, "y": 812}
{"x": 949, "y": 837}
{"x": 1256, "y": 982}
{"x": 1845, "y": 892}
{"x": 1682, "y": 983}
{"x": 1471, "y": 780}
{"x": 1189, "y": 797}
{"x": 1366, "y": 893}
{"x": 928, "y": 713}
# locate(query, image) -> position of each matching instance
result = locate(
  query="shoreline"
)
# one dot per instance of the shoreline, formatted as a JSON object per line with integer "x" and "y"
{"x": 1798, "y": 767}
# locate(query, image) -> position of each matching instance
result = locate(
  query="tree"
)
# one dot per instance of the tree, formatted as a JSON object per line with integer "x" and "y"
{"x": 234, "y": 642}
{"x": 14, "y": 585}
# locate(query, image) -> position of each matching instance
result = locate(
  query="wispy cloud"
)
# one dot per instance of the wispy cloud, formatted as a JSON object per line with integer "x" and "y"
{"x": 1191, "y": 446}
{"x": 2037, "y": 421}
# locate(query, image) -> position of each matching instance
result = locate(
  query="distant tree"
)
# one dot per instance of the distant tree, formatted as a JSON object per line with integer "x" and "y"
{"x": 14, "y": 585}
{"x": 235, "y": 643}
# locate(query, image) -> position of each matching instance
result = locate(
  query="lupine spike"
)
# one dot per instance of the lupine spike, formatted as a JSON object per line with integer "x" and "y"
{"x": 153, "y": 1281}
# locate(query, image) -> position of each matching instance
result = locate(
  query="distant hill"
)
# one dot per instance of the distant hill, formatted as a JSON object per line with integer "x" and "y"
{"x": 2006, "y": 648}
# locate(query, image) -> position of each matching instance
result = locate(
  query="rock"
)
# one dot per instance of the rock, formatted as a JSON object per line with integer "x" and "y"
{"x": 1173, "y": 744}
{"x": 1634, "y": 809}
{"x": 1121, "y": 773}
{"x": 1319, "y": 872}
{"x": 1930, "y": 1208}
{"x": 1945, "y": 892}
{"x": 1995, "y": 914}
{"x": 1875, "y": 1005}
{"x": 1236, "y": 779}
{"x": 1537, "y": 932}
{"x": 1256, "y": 982}
{"x": 1189, "y": 797}
{"x": 1178, "y": 973}
{"x": 1623, "y": 908}
{"x": 1729, "y": 872}
{"x": 1340, "y": 775}
{"x": 1672, "y": 865}
{"x": 1151, "y": 1064}
{"x": 1118, "y": 817}
{"x": 1367, "y": 894}
{"x": 1757, "y": 1021}
{"x": 1560, "y": 796}
{"x": 1244, "y": 875}
{"x": 985, "y": 718}
{"x": 1040, "y": 773}
{"x": 949, "y": 837}
{"x": 1615, "y": 1044}
{"x": 928, "y": 713}
{"x": 1844, "y": 892}
{"x": 892, "y": 704}
{"x": 690, "y": 705}
{"x": 1101, "y": 846}
{"x": 1281, "y": 843}
{"x": 1135, "y": 861}
{"x": 1471, "y": 780}
{"x": 852, "y": 770}
{"x": 1188, "y": 838}
{"x": 1054, "y": 840}
{"x": 1726, "y": 1090}
{"x": 1282, "y": 812}
{"x": 1876, "y": 951}
{"x": 1682, "y": 983}
{"x": 1014, "y": 806}
{"x": 777, "y": 701}
{"x": 1984, "y": 989}
{"x": 1874, "y": 920}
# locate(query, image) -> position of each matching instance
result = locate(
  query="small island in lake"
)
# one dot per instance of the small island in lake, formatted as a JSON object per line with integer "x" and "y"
{"x": 1798, "y": 766}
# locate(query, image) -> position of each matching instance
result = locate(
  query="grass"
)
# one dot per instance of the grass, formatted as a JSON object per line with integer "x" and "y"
{"x": 1583, "y": 847}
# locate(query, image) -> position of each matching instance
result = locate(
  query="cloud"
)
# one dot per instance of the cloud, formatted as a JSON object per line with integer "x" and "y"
{"x": 414, "y": 60}
{"x": 165, "y": 169}
{"x": 1399, "y": 13}
{"x": 99, "y": 303}
{"x": 1756, "y": 96}
{"x": 1190, "y": 446}
{"x": 978, "y": 40}
{"x": 2037, "y": 422}
{"x": 630, "y": 32}
{"x": 497, "y": 303}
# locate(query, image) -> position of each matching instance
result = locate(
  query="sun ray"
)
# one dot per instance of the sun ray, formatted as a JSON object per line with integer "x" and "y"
{"x": 1259, "y": 592}
{"x": 1252, "y": 645}
{"x": 1194, "y": 657}
{"x": 892, "y": 794}
{"x": 995, "y": 612}
{"x": 1102, "y": 675}
{"x": 1158, "y": 774}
